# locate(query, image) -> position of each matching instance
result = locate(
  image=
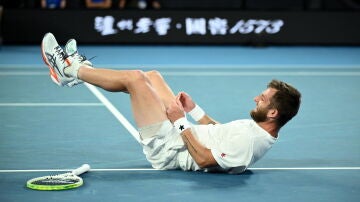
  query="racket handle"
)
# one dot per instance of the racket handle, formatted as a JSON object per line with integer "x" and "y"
{"x": 82, "y": 169}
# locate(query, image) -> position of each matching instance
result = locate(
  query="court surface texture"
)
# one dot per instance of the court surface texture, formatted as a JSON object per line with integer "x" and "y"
{"x": 46, "y": 129}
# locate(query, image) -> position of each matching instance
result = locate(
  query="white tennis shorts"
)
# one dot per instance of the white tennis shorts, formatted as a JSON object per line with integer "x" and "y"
{"x": 164, "y": 147}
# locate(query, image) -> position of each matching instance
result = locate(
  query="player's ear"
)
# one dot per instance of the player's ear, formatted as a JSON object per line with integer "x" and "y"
{"x": 273, "y": 113}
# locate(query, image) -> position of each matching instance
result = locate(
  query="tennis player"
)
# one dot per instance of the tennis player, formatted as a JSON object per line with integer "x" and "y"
{"x": 169, "y": 140}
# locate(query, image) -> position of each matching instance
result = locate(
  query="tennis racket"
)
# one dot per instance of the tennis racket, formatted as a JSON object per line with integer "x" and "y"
{"x": 59, "y": 182}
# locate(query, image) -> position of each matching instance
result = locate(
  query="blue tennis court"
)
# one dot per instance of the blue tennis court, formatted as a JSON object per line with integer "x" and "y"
{"x": 45, "y": 129}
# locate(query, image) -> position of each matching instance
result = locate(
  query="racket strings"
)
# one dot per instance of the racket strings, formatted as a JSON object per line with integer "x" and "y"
{"x": 56, "y": 180}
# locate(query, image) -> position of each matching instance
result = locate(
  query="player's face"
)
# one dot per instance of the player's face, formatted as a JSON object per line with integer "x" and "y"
{"x": 260, "y": 112}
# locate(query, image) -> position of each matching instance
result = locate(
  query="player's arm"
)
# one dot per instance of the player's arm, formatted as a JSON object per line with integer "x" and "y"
{"x": 205, "y": 120}
{"x": 194, "y": 110}
{"x": 201, "y": 155}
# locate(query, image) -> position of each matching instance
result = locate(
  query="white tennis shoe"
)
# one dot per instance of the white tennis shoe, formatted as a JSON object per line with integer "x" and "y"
{"x": 56, "y": 59}
{"x": 72, "y": 50}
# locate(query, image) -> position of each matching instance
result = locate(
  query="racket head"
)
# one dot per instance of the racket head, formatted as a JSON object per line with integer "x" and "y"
{"x": 59, "y": 182}
{"x": 55, "y": 182}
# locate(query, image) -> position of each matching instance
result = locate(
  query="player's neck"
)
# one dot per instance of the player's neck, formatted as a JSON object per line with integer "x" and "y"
{"x": 270, "y": 127}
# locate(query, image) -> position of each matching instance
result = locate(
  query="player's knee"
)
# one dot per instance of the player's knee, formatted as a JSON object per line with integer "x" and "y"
{"x": 138, "y": 76}
{"x": 153, "y": 74}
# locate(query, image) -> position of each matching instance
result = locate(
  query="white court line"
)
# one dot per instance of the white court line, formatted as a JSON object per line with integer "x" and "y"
{"x": 223, "y": 73}
{"x": 270, "y": 168}
{"x": 51, "y": 104}
{"x": 199, "y": 66}
{"x": 114, "y": 111}
{"x": 152, "y": 169}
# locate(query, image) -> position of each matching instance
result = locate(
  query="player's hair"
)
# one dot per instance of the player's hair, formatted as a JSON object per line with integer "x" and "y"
{"x": 286, "y": 100}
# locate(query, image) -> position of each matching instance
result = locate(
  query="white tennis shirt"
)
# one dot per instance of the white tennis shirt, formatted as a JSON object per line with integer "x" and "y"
{"x": 235, "y": 145}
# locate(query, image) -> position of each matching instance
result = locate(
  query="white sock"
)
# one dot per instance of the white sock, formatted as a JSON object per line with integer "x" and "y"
{"x": 72, "y": 70}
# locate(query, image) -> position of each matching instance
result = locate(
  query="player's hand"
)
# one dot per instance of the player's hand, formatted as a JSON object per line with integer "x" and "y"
{"x": 175, "y": 111}
{"x": 187, "y": 103}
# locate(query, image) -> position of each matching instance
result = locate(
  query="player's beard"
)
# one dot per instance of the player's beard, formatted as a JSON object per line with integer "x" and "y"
{"x": 259, "y": 114}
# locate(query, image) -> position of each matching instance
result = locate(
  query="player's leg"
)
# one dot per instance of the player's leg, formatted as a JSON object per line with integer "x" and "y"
{"x": 153, "y": 77}
{"x": 146, "y": 104}
{"x": 161, "y": 87}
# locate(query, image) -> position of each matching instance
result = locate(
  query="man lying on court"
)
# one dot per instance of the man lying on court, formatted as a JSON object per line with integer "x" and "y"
{"x": 169, "y": 141}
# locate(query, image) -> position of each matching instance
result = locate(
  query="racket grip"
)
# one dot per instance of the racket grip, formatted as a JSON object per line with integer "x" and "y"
{"x": 82, "y": 169}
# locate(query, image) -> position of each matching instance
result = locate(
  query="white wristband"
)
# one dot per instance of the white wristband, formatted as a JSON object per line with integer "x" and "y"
{"x": 181, "y": 124}
{"x": 197, "y": 113}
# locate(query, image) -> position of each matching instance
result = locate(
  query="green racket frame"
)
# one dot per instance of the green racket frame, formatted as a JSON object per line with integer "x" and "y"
{"x": 70, "y": 176}
{"x": 29, "y": 184}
